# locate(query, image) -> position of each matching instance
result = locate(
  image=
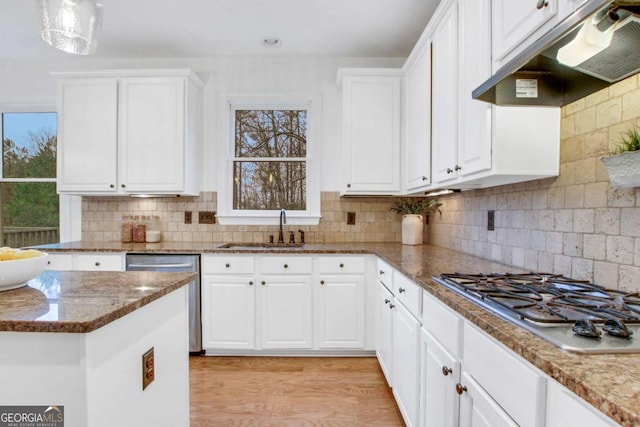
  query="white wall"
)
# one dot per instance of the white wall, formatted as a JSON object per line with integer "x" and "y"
{"x": 28, "y": 82}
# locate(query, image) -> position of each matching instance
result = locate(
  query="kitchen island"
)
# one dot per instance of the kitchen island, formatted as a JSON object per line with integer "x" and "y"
{"x": 76, "y": 339}
{"x": 608, "y": 382}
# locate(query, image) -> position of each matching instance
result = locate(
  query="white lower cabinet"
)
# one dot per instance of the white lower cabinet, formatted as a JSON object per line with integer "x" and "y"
{"x": 384, "y": 347}
{"x": 86, "y": 262}
{"x": 285, "y": 302}
{"x": 229, "y": 303}
{"x": 439, "y": 374}
{"x": 565, "y": 409}
{"x": 477, "y": 407}
{"x": 406, "y": 363}
{"x": 340, "y": 311}
{"x": 285, "y": 312}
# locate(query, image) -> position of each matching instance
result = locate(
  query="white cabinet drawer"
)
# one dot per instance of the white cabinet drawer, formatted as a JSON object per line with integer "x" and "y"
{"x": 442, "y": 323}
{"x": 385, "y": 274}
{"x": 408, "y": 293}
{"x": 285, "y": 265}
{"x": 60, "y": 262}
{"x": 99, "y": 262}
{"x": 515, "y": 386}
{"x": 341, "y": 265}
{"x": 221, "y": 264}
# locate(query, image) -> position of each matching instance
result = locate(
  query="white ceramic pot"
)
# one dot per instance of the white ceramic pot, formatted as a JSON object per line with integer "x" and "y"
{"x": 624, "y": 169}
{"x": 412, "y": 229}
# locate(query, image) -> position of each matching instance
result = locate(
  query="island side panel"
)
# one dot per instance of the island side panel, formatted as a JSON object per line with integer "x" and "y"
{"x": 38, "y": 368}
{"x": 114, "y": 367}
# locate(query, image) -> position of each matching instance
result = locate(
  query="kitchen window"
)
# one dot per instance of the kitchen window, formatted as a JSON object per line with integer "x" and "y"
{"x": 29, "y": 213}
{"x": 270, "y": 166}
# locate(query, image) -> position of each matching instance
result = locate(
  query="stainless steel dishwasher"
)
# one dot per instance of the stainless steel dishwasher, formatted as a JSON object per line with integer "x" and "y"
{"x": 171, "y": 262}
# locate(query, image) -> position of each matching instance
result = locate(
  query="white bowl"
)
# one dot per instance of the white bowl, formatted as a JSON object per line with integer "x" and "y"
{"x": 16, "y": 273}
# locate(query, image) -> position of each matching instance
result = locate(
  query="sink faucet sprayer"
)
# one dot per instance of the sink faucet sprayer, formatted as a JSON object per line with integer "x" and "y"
{"x": 283, "y": 220}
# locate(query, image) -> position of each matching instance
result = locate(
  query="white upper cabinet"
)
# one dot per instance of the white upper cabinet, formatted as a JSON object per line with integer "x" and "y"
{"x": 476, "y": 144}
{"x": 370, "y": 130}
{"x": 444, "y": 46}
{"x": 130, "y": 132}
{"x": 513, "y": 21}
{"x": 87, "y": 135}
{"x": 417, "y": 123}
{"x": 474, "y": 120}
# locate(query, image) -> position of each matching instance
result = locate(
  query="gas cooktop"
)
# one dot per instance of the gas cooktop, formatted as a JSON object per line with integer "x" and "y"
{"x": 575, "y": 315}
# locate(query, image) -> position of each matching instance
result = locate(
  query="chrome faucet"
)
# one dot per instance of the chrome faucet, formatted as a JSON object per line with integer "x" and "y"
{"x": 283, "y": 220}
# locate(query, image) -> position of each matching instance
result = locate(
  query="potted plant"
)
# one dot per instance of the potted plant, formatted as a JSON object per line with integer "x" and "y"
{"x": 413, "y": 210}
{"x": 623, "y": 165}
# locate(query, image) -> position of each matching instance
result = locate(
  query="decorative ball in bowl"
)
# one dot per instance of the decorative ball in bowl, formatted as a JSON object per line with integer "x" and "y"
{"x": 17, "y": 267}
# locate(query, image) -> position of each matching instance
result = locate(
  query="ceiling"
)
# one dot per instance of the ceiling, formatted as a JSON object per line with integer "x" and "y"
{"x": 207, "y": 28}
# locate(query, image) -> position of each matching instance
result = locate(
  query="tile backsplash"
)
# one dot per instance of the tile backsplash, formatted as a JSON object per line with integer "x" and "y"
{"x": 101, "y": 219}
{"x": 575, "y": 224}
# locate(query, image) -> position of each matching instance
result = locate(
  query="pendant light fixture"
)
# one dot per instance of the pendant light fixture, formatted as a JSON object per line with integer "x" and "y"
{"x": 71, "y": 25}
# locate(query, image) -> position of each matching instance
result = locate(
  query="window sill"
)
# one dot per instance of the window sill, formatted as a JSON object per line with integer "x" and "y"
{"x": 271, "y": 219}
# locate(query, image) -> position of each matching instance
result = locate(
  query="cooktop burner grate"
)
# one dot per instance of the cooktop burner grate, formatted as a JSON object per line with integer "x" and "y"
{"x": 549, "y": 299}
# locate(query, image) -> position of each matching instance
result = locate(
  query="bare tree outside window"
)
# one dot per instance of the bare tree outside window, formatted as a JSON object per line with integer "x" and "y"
{"x": 270, "y": 162}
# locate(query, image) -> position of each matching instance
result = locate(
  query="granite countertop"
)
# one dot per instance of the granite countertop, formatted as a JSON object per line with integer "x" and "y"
{"x": 609, "y": 382}
{"x": 82, "y": 301}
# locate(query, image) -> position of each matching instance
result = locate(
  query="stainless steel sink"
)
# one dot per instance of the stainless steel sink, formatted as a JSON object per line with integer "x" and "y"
{"x": 241, "y": 245}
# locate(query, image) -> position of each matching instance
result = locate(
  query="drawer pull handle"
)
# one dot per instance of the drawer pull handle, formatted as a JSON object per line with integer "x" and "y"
{"x": 227, "y": 265}
{"x": 341, "y": 265}
{"x": 97, "y": 263}
{"x": 391, "y": 306}
{"x": 286, "y": 266}
{"x": 401, "y": 290}
{"x": 446, "y": 370}
{"x": 387, "y": 301}
{"x": 460, "y": 388}
{"x": 322, "y": 282}
{"x": 263, "y": 283}
{"x": 251, "y": 283}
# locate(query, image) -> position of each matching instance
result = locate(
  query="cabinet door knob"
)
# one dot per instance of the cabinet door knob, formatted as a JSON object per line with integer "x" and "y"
{"x": 391, "y": 306}
{"x": 227, "y": 265}
{"x": 458, "y": 167}
{"x": 446, "y": 370}
{"x": 322, "y": 282}
{"x": 97, "y": 263}
{"x": 122, "y": 185}
{"x": 251, "y": 283}
{"x": 341, "y": 265}
{"x": 381, "y": 271}
{"x": 263, "y": 283}
{"x": 424, "y": 178}
{"x": 112, "y": 186}
{"x": 449, "y": 170}
{"x": 387, "y": 301}
{"x": 401, "y": 290}
{"x": 541, "y": 4}
{"x": 460, "y": 388}
{"x": 286, "y": 266}
{"x": 348, "y": 185}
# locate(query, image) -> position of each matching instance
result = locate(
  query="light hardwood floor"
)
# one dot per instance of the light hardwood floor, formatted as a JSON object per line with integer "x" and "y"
{"x": 290, "y": 391}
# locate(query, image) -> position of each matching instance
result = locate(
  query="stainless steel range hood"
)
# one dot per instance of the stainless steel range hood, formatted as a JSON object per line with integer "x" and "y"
{"x": 536, "y": 77}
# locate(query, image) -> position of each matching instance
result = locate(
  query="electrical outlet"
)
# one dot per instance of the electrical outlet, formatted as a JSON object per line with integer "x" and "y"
{"x": 351, "y": 218}
{"x": 187, "y": 217}
{"x": 206, "y": 217}
{"x": 491, "y": 220}
{"x": 148, "y": 368}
